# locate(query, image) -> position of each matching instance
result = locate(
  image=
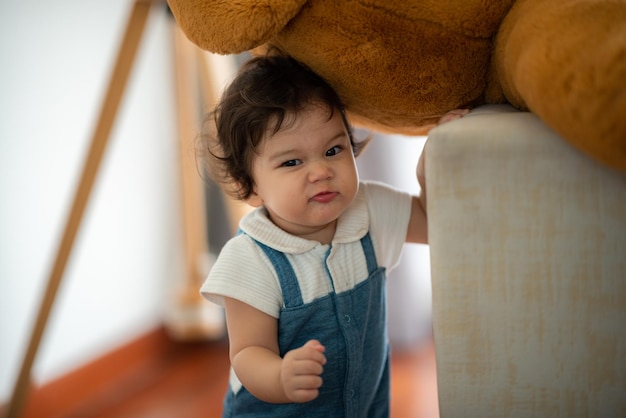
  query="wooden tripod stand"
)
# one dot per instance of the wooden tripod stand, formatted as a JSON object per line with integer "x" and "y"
{"x": 187, "y": 326}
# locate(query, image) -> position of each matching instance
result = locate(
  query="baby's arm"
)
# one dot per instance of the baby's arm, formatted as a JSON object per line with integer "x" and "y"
{"x": 417, "y": 230}
{"x": 254, "y": 355}
{"x": 418, "y": 225}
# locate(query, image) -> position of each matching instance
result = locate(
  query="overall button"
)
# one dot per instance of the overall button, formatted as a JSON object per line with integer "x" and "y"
{"x": 347, "y": 318}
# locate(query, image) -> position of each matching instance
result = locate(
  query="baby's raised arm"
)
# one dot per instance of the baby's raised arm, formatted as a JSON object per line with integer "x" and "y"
{"x": 418, "y": 226}
{"x": 254, "y": 355}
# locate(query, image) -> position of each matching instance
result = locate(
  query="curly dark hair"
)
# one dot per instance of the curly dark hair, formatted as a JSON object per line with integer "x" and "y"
{"x": 261, "y": 99}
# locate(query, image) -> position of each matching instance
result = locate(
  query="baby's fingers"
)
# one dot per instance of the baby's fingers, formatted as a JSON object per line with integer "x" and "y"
{"x": 312, "y": 350}
{"x": 305, "y": 390}
{"x": 301, "y": 378}
{"x": 453, "y": 115}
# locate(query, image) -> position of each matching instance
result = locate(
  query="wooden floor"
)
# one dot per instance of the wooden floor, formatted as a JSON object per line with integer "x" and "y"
{"x": 192, "y": 379}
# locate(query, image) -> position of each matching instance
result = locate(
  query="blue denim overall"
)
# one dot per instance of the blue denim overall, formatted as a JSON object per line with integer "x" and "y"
{"x": 352, "y": 327}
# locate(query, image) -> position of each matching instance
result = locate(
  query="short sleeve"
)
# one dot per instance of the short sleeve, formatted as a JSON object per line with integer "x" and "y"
{"x": 242, "y": 272}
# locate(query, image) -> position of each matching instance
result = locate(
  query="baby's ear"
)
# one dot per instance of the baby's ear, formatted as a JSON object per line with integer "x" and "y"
{"x": 254, "y": 200}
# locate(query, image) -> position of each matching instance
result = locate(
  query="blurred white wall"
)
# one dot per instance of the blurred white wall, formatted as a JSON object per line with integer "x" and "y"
{"x": 56, "y": 57}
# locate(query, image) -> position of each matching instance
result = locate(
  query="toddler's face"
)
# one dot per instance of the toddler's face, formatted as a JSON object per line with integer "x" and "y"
{"x": 305, "y": 175}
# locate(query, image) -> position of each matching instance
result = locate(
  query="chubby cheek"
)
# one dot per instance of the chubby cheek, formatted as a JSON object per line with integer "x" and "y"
{"x": 286, "y": 197}
{"x": 349, "y": 179}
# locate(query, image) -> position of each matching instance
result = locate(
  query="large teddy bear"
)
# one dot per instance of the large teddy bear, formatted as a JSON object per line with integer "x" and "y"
{"x": 400, "y": 65}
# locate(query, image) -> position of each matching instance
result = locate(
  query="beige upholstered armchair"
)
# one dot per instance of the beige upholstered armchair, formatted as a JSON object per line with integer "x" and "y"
{"x": 528, "y": 264}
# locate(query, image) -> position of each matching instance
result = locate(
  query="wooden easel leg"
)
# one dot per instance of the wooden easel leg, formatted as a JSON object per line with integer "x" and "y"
{"x": 115, "y": 90}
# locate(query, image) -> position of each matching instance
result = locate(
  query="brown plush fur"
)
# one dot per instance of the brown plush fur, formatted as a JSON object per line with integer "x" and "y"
{"x": 400, "y": 65}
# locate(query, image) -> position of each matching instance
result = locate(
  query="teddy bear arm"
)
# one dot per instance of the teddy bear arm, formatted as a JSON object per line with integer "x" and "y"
{"x": 565, "y": 62}
{"x": 231, "y": 27}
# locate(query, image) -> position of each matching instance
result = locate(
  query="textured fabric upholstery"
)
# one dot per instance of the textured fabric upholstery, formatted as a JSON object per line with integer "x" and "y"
{"x": 528, "y": 262}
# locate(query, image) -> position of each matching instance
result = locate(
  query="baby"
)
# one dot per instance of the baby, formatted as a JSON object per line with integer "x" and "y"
{"x": 303, "y": 284}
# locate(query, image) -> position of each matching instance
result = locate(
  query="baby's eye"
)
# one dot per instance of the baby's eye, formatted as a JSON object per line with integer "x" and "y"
{"x": 291, "y": 163}
{"x": 334, "y": 151}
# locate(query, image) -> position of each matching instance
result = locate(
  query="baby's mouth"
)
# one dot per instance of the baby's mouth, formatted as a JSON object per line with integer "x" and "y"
{"x": 324, "y": 197}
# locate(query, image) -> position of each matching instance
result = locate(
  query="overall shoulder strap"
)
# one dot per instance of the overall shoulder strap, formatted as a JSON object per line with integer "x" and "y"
{"x": 370, "y": 255}
{"x": 286, "y": 276}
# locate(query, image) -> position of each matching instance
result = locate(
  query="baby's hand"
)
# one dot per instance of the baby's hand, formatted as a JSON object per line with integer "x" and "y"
{"x": 453, "y": 115}
{"x": 301, "y": 371}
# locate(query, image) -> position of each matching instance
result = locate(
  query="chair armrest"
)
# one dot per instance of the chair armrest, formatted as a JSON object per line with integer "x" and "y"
{"x": 528, "y": 265}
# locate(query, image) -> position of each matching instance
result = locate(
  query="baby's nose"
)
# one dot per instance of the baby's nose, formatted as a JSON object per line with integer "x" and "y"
{"x": 320, "y": 170}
